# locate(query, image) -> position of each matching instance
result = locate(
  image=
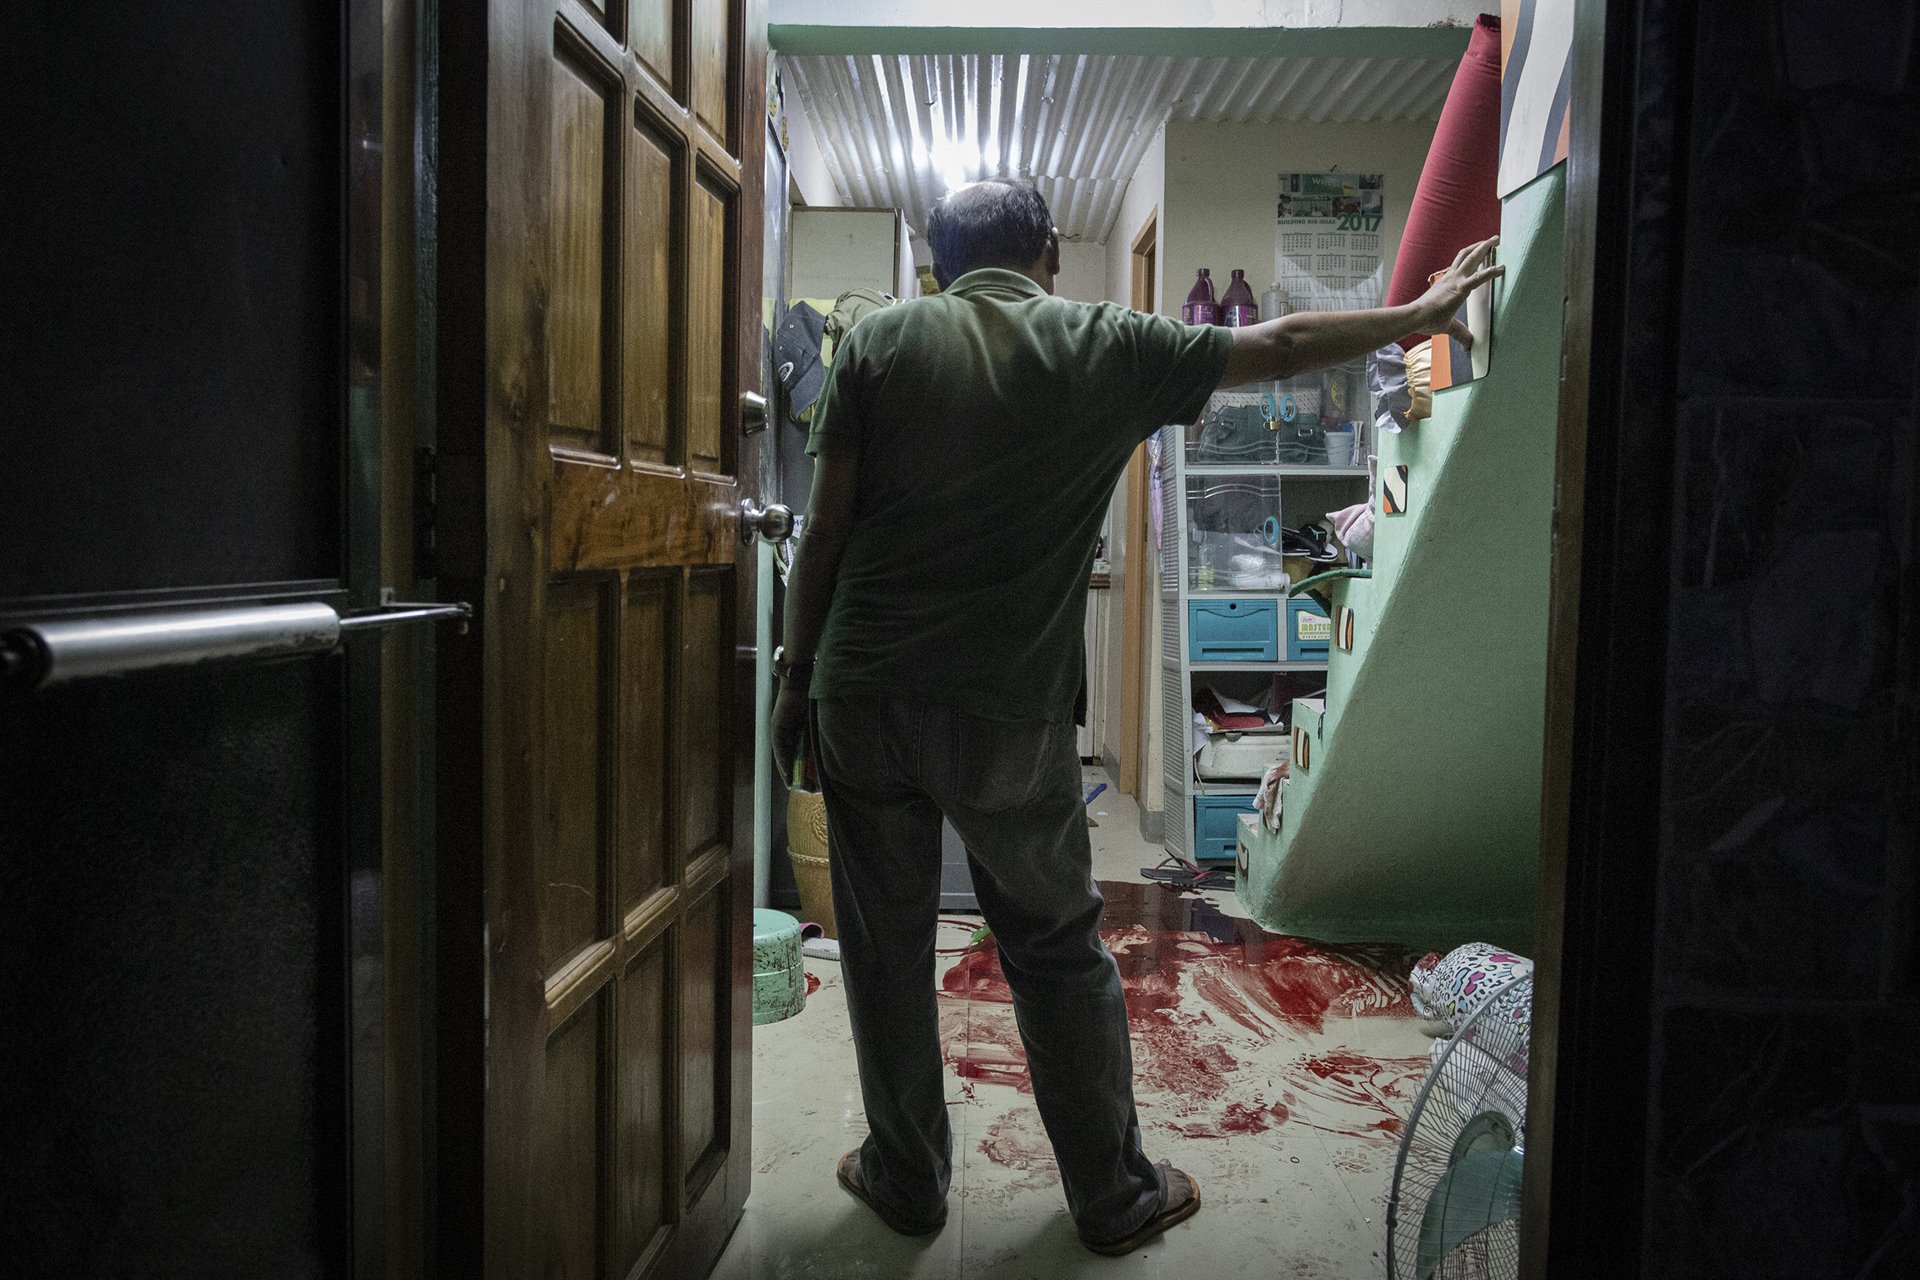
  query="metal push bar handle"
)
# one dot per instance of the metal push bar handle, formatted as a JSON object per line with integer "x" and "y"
{"x": 40, "y": 655}
{"x": 393, "y": 615}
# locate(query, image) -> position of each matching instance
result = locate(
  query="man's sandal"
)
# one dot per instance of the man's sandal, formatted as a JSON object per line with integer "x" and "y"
{"x": 856, "y": 1184}
{"x": 1181, "y": 1205}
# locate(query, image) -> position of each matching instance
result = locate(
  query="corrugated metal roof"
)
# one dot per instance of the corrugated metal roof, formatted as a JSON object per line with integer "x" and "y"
{"x": 897, "y": 130}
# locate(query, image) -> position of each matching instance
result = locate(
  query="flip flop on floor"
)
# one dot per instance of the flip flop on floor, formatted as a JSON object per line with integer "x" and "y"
{"x": 856, "y": 1184}
{"x": 1180, "y": 1206}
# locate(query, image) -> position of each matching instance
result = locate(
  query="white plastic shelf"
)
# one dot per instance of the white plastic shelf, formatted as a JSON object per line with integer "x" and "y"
{"x": 1284, "y": 472}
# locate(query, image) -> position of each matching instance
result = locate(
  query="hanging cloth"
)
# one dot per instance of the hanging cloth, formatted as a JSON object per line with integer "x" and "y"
{"x": 1455, "y": 204}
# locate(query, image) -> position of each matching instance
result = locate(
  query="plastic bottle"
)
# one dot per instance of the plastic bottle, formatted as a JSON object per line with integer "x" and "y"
{"x": 1274, "y": 302}
{"x": 1200, "y": 307}
{"x": 1237, "y": 305}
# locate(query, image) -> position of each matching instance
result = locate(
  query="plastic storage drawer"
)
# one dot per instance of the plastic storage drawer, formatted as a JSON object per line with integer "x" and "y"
{"x": 1234, "y": 631}
{"x": 1242, "y": 756}
{"x": 1309, "y": 631}
{"x": 1233, "y": 533}
{"x": 1216, "y": 826}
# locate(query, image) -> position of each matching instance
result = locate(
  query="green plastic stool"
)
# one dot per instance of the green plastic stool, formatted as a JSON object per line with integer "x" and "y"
{"x": 779, "y": 978}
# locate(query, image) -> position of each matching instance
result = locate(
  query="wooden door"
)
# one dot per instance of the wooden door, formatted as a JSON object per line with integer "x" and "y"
{"x": 619, "y": 322}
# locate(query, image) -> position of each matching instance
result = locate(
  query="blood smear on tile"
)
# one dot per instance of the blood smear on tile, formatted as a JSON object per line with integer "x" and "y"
{"x": 1238, "y": 1120}
{"x": 1017, "y": 1141}
{"x": 1352, "y": 1095}
{"x": 1263, "y": 981}
{"x": 1190, "y": 973}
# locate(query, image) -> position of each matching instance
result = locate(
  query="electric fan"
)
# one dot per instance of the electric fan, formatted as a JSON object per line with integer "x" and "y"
{"x": 1454, "y": 1213}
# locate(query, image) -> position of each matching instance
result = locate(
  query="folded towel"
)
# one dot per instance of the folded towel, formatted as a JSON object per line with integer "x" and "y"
{"x": 1354, "y": 527}
{"x": 1272, "y": 792}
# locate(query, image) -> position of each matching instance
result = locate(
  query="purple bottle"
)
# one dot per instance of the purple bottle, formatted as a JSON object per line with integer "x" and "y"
{"x": 1200, "y": 307}
{"x": 1238, "y": 304}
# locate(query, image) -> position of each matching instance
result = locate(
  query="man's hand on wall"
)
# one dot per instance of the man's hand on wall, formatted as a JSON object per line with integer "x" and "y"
{"x": 1438, "y": 308}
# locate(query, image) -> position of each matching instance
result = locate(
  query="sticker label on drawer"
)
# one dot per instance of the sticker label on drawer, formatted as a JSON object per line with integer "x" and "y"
{"x": 1308, "y": 625}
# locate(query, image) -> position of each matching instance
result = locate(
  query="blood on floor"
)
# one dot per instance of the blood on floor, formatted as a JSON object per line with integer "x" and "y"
{"x": 1230, "y": 1024}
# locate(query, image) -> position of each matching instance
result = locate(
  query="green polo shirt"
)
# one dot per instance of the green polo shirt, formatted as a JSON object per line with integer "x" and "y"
{"x": 992, "y": 423}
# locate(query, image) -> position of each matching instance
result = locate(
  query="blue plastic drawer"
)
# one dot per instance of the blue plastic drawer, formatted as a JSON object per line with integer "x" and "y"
{"x": 1233, "y": 630}
{"x": 1216, "y": 826}
{"x": 1309, "y": 631}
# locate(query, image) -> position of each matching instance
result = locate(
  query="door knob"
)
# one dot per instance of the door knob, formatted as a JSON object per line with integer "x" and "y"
{"x": 773, "y": 522}
{"x": 753, "y": 412}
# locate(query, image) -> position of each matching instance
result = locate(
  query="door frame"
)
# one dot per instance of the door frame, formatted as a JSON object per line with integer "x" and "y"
{"x": 408, "y": 121}
{"x": 1596, "y": 894}
{"x": 1136, "y": 619}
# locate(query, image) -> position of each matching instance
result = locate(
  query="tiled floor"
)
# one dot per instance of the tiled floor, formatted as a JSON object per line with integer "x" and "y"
{"x": 1275, "y": 1072}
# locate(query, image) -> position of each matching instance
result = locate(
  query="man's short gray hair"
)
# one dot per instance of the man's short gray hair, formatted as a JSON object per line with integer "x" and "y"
{"x": 995, "y": 223}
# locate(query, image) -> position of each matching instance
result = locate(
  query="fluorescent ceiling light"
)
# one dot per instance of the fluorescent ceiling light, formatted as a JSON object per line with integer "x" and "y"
{"x": 956, "y": 162}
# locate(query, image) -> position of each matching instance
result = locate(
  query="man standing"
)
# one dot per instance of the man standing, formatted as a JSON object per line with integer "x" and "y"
{"x": 967, "y": 447}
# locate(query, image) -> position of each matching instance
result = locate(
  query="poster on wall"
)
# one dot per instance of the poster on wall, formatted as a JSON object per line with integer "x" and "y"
{"x": 1536, "y": 79}
{"x": 1328, "y": 255}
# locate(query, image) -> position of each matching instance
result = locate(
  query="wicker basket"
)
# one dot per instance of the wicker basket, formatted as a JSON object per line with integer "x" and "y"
{"x": 807, "y": 847}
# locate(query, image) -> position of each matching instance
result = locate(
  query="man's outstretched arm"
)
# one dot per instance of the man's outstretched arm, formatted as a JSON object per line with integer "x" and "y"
{"x": 1307, "y": 340}
{"x": 816, "y": 567}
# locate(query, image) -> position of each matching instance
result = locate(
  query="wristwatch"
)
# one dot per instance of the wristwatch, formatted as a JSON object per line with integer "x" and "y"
{"x": 784, "y": 670}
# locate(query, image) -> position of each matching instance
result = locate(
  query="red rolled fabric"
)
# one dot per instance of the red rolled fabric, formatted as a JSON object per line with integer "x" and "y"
{"x": 1455, "y": 203}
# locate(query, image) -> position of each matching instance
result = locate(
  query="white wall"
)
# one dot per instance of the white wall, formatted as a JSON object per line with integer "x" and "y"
{"x": 806, "y": 163}
{"x": 834, "y": 250}
{"x": 1144, "y": 194}
{"x": 1083, "y": 271}
{"x": 1222, "y": 183}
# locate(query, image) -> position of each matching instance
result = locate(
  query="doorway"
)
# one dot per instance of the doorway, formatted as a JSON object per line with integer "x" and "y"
{"x": 1303, "y": 1107}
{"x": 221, "y": 874}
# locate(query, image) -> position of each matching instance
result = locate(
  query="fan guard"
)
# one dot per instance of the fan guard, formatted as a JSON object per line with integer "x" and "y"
{"x": 1454, "y": 1211}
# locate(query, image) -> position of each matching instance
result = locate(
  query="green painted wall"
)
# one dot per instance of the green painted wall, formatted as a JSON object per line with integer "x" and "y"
{"x": 1418, "y": 820}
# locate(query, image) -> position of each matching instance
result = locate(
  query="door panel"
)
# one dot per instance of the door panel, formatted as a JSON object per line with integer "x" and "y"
{"x": 646, "y": 686}
{"x": 571, "y": 889}
{"x": 180, "y": 307}
{"x": 640, "y": 1076}
{"x": 647, "y": 346}
{"x": 169, "y": 876}
{"x": 713, "y": 42}
{"x": 580, "y": 247}
{"x": 708, "y": 328}
{"x": 651, "y": 24}
{"x": 618, "y": 1099}
{"x": 707, "y": 657}
{"x": 703, "y": 1031}
{"x": 570, "y": 1138}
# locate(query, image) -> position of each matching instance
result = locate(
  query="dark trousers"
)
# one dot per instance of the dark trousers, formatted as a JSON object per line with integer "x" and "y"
{"x": 889, "y": 770}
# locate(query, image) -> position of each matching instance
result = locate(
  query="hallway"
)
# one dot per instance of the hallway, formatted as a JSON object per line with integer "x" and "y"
{"x": 1276, "y": 1072}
